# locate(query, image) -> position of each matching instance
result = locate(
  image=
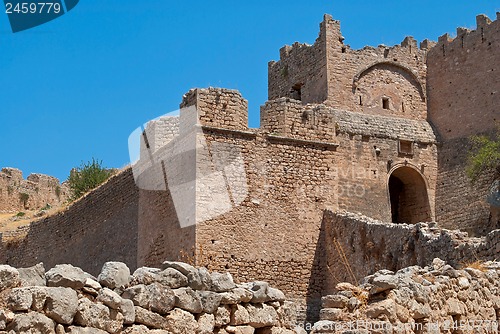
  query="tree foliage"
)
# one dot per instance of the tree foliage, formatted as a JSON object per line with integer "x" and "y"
{"x": 89, "y": 175}
{"x": 484, "y": 156}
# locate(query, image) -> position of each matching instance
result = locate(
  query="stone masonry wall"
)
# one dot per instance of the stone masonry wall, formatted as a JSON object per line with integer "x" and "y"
{"x": 370, "y": 245}
{"x": 300, "y": 73}
{"x": 158, "y": 133}
{"x": 176, "y": 299}
{"x": 463, "y": 88}
{"x": 224, "y": 108}
{"x": 99, "y": 227}
{"x": 358, "y": 80}
{"x": 331, "y": 72}
{"x": 368, "y": 152}
{"x": 19, "y": 194}
{"x": 433, "y": 299}
{"x": 462, "y": 80}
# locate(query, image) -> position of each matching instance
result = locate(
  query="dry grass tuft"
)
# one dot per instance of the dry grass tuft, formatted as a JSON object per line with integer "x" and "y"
{"x": 478, "y": 264}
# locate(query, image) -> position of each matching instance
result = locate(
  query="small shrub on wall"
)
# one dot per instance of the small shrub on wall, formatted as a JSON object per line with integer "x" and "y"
{"x": 89, "y": 175}
{"x": 484, "y": 156}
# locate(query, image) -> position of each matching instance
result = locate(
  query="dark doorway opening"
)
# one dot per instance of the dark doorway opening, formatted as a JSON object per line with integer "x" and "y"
{"x": 296, "y": 91}
{"x": 396, "y": 187}
{"x": 408, "y": 197}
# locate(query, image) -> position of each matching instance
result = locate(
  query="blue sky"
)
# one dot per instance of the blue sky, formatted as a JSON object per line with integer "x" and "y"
{"x": 76, "y": 87}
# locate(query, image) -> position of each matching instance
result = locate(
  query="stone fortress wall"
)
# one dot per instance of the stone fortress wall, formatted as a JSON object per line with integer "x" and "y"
{"x": 35, "y": 192}
{"x": 318, "y": 149}
{"x": 463, "y": 88}
{"x": 99, "y": 227}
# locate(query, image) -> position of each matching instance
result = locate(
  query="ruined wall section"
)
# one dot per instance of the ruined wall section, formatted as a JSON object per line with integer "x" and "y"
{"x": 99, "y": 227}
{"x": 35, "y": 192}
{"x": 274, "y": 233}
{"x": 433, "y": 299}
{"x": 300, "y": 73}
{"x": 463, "y": 87}
{"x": 359, "y": 80}
{"x": 158, "y": 133}
{"x": 159, "y": 232}
{"x": 218, "y": 107}
{"x": 287, "y": 117}
{"x": 372, "y": 245}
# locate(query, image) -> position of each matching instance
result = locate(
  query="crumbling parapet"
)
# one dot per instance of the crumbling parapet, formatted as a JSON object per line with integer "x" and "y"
{"x": 287, "y": 117}
{"x": 218, "y": 107}
{"x": 35, "y": 192}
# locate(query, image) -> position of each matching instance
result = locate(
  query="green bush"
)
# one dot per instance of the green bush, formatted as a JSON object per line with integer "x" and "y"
{"x": 20, "y": 214}
{"x": 87, "y": 177}
{"x": 484, "y": 156}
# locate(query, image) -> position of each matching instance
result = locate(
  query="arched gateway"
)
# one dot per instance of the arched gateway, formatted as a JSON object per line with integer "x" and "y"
{"x": 408, "y": 196}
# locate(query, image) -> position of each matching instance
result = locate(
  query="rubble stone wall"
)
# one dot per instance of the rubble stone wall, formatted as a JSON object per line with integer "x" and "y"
{"x": 99, "y": 227}
{"x": 176, "y": 299}
{"x": 433, "y": 299}
{"x": 35, "y": 192}
{"x": 371, "y": 245}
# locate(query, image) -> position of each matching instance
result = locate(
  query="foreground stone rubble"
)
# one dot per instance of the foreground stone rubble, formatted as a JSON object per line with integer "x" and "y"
{"x": 177, "y": 299}
{"x": 433, "y": 299}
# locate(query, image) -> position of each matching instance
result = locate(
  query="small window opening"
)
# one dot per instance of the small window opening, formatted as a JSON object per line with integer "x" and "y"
{"x": 402, "y": 106}
{"x": 360, "y": 101}
{"x": 405, "y": 147}
{"x": 297, "y": 91}
{"x": 344, "y": 49}
{"x": 385, "y": 102}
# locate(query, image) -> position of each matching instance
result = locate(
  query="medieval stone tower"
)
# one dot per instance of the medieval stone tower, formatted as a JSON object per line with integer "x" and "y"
{"x": 381, "y": 131}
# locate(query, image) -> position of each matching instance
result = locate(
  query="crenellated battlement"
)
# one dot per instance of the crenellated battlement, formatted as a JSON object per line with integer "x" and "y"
{"x": 486, "y": 33}
{"x": 375, "y": 80}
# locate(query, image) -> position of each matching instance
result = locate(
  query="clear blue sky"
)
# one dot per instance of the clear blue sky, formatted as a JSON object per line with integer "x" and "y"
{"x": 76, "y": 87}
